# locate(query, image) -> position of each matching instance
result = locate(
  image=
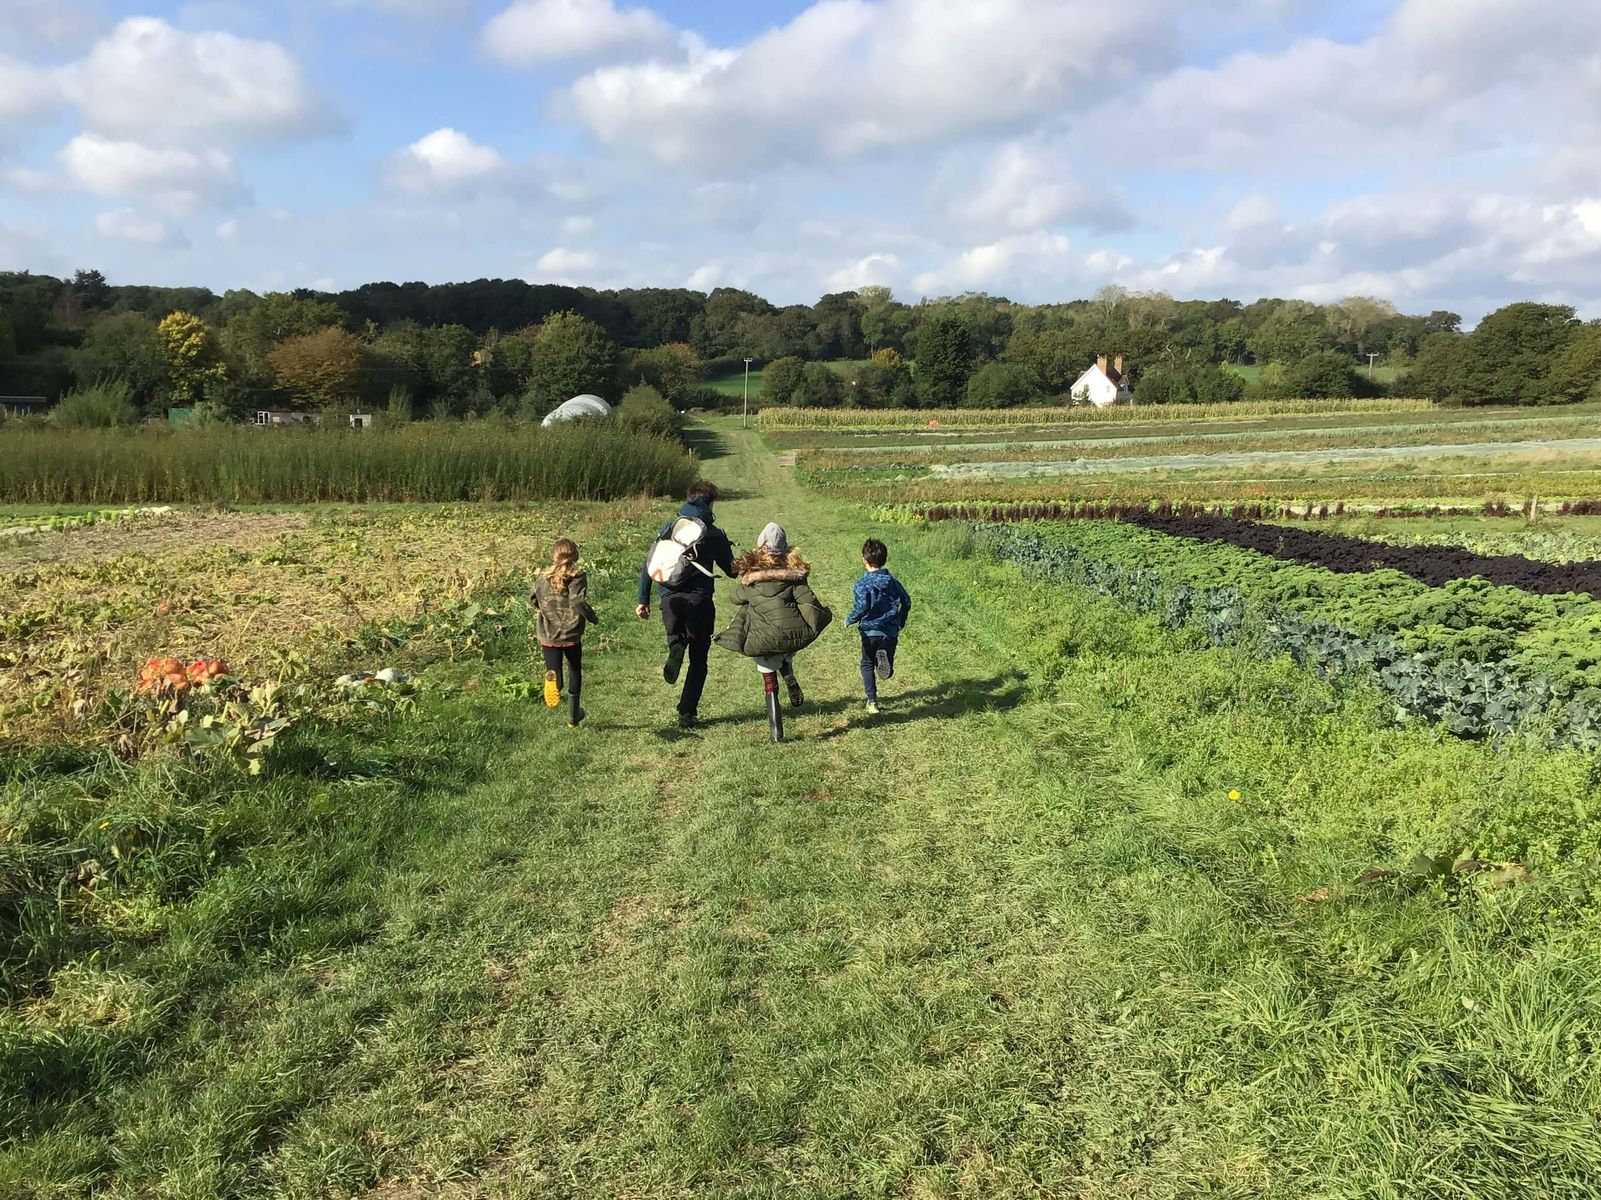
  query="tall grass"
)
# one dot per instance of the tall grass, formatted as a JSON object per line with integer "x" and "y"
{"x": 422, "y": 462}
{"x": 980, "y": 418}
{"x": 97, "y": 406}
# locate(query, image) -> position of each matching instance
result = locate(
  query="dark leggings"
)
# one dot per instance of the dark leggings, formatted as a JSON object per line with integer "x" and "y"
{"x": 870, "y": 648}
{"x": 575, "y": 671}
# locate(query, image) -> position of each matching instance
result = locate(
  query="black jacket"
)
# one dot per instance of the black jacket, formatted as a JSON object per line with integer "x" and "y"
{"x": 714, "y": 551}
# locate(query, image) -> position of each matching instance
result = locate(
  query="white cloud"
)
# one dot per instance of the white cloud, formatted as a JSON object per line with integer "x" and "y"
{"x": 177, "y": 179}
{"x": 705, "y": 277}
{"x": 1441, "y": 78}
{"x": 227, "y": 231}
{"x": 578, "y": 226}
{"x": 531, "y": 32}
{"x": 1025, "y": 185}
{"x": 446, "y": 158}
{"x": 847, "y": 77}
{"x": 152, "y": 83}
{"x": 1421, "y": 249}
{"x": 561, "y": 265}
{"x": 878, "y": 268}
{"x": 28, "y": 180}
{"x": 124, "y": 224}
{"x": 993, "y": 266}
{"x": 29, "y": 248}
{"x": 43, "y": 23}
{"x": 25, "y": 91}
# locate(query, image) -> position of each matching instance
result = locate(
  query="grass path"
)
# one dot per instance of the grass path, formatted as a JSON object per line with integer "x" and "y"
{"x": 1005, "y": 939}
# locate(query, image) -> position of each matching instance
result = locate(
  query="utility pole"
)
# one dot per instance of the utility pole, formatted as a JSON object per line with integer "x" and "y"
{"x": 745, "y": 415}
{"x": 1371, "y": 356}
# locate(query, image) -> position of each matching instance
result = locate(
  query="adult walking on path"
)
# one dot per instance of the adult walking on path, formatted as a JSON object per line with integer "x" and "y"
{"x": 689, "y": 613}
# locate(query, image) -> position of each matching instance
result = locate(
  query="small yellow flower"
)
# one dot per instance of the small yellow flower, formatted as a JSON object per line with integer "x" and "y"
{"x": 105, "y": 824}
{"x": 1234, "y": 793}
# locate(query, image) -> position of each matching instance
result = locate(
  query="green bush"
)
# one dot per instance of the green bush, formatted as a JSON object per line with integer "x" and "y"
{"x": 97, "y": 406}
{"x": 1003, "y": 385}
{"x": 645, "y": 410}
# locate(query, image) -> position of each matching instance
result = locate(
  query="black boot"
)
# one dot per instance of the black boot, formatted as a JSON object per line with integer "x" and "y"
{"x": 796, "y": 696}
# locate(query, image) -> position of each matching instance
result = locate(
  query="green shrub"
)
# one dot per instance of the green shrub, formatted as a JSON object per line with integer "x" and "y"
{"x": 97, "y": 406}
{"x": 1002, "y": 385}
{"x": 645, "y": 410}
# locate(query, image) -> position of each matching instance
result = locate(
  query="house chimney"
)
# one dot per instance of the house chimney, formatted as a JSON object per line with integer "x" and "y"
{"x": 1117, "y": 364}
{"x": 1100, "y": 361}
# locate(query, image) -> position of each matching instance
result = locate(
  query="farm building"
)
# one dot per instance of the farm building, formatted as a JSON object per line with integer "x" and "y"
{"x": 1103, "y": 384}
{"x": 23, "y": 406}
{"x": 579, "y": 406}
{"x": 279, "y": 416}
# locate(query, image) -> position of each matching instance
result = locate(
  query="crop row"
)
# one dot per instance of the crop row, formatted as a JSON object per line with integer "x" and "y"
{"x": 1433, "y": 565}
{"x": 1122, "y": 510}
{"x": 778, "y": 418}
{"x": 1477, "y": 658}
{"x": 424, "y": 462}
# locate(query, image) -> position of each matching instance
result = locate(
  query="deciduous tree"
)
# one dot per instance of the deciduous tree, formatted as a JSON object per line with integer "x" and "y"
{"x": 322, "y": 369}
{"x": 571, "y": 356}
{"x": 194, "y": 357}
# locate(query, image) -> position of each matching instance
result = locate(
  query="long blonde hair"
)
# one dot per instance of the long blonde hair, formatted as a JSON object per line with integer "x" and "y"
{"x": 564, "y": 563}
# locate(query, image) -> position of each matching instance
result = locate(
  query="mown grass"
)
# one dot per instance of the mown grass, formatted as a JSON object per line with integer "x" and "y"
{"x": 422, "y": 462}
{"x": 733, "y": 384}
{"x": 1013, "y": 938}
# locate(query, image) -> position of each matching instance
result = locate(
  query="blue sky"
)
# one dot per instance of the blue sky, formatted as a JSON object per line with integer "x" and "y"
{"x": 1438, "y": 153}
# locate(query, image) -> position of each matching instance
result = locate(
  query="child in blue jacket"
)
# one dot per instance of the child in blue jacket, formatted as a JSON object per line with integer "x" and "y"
{"x": 879, "y": 611}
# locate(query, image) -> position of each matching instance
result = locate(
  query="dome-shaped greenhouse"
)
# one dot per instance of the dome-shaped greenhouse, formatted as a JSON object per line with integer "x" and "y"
{"x": 579, "y": 406}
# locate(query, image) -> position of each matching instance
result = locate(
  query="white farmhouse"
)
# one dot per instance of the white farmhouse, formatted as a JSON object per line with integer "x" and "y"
{"x": 1103, "y": 384}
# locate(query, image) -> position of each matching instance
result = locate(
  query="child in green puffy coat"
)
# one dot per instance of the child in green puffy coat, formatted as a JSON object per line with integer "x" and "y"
{"x": 776, "y": 615}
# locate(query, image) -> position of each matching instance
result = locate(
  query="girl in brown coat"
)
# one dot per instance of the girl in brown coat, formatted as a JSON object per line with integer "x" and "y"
{"x": 561, "y": 594}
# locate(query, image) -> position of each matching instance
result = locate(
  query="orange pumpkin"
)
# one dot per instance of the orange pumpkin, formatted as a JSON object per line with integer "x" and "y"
{"x": 203, "y": 670}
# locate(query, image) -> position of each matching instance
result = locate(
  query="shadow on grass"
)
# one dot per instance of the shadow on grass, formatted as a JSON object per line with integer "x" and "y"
{"x": 957, "y": 698}
{"x": 705, "y": 442}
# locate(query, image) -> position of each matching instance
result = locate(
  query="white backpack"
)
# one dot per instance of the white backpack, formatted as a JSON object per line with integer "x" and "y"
{"x": 673, "y": 557}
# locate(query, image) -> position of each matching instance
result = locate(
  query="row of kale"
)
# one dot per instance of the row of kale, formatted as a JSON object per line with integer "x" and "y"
{"x": 1477, "y": 659}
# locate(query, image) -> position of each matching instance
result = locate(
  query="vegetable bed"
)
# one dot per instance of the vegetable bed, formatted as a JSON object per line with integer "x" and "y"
{"x": 1478, "y": 658}
{"x": 1432, "y": 565}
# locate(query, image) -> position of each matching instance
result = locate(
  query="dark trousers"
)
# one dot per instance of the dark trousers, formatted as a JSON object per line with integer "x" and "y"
{"x": 575, "y": 671}
{"x": 690, "y": 618}
{"x": 870, "y": 648}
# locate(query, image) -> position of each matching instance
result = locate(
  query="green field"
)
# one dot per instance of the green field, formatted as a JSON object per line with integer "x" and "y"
{"x": 1095, "y": 908}
{"x": 733, "y": 384}
{"x": 1295, "y": 453}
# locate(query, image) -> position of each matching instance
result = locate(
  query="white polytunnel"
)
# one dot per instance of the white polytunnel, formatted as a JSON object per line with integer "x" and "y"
{"x": 579, "y": 406}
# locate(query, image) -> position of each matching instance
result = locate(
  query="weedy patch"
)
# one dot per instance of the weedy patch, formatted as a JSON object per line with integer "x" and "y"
{"x": 73, "y": 633}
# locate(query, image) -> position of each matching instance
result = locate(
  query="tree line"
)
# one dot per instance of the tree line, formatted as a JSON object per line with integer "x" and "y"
{"x": 491, "y": 345}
